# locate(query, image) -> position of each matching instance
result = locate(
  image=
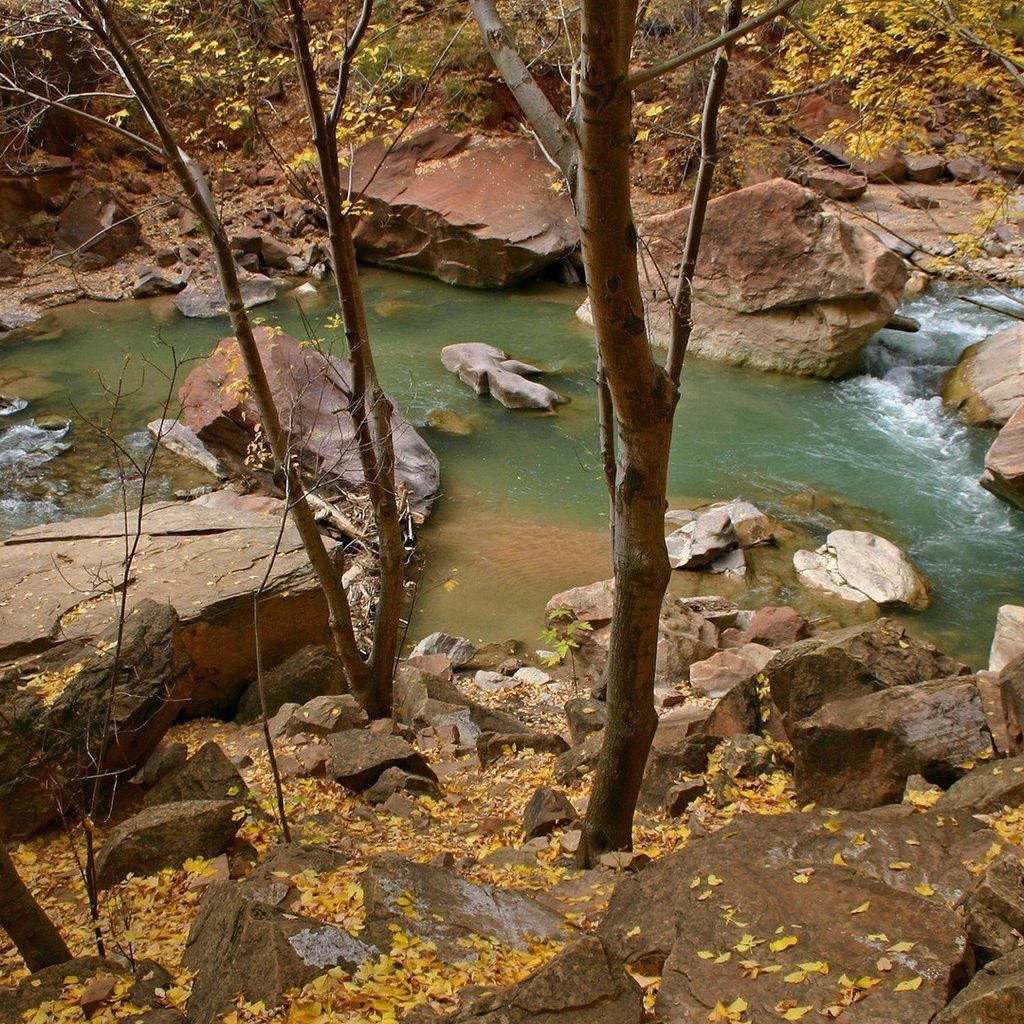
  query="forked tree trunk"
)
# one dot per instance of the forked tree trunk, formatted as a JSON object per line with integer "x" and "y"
{"x": 363, "y": 677}
{"x": 31, "y": 931}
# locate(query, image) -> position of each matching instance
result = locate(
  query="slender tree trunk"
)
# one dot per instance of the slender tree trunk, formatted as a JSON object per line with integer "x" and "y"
{"x": 101, "y": 19}
{"x": 31, "y": 931}
{"x": 370, "y": 407}
{"x": 643, "y": 399}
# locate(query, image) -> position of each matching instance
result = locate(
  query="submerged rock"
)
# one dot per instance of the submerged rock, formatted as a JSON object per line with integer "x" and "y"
{"x": 487, "y": 370}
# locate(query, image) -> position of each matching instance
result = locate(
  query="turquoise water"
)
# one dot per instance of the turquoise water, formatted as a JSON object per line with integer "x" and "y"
{"x": 523, "y": 511}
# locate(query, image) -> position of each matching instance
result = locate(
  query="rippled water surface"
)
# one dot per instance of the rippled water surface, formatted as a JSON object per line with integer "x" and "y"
{"x": 523, "y": 512}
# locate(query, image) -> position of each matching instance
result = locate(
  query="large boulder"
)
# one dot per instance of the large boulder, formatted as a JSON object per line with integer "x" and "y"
{"x": 165, "y": 836}
{"x": 309, "y": 673}
{"x": 25, "y": 192}
{"x": 440, "y": 907}
{"x": 752, "y": 913}
{"x": 862, "y": 567}
{"x": 315, "y": 391}
{"x": 360, "y": 757}
{"x": 96, "y": 229}
{"x": 73, "y": 723}
{"x": 584, "y": 984}
{"x": 207, "y": 775}
{"x": 987, "y": 385}
{"x": 487, "y": 370}
{"x": 479, "y": 212}
{"x": 859, "y": 753}
{"x": 1004, "y": 462}
{"x": 1008, "y": 638}
{"x": 57, "y": 576}
{"x": 852, "y": 662}
{"x": 248, "y": 939}
{"x": 204, "y": 299}
{"x": 995, "y": 995}
{"x": 801, "y": 295}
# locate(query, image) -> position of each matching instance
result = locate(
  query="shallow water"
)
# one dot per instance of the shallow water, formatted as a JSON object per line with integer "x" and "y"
{"x": 523, "y": 512}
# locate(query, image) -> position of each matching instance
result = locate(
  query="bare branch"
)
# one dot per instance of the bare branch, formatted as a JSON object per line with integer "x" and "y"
{"x": 682, "y": 302}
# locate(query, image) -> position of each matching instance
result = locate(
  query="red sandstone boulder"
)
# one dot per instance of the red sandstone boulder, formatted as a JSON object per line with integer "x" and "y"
{"x": 314, "y": 391}
{"x": 477, "y": 212}
{"x": 801, "y": 295}
{"x": 1004, "y": 462}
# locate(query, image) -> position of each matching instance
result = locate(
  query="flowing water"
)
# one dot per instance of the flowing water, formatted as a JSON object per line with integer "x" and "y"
{"x": 523, "y": 511}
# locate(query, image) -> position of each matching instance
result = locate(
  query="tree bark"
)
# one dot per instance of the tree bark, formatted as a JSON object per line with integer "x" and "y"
{"x": 370, "y": 407}
{"x": 643, "y": 399}
{"x": 31, "y": 931}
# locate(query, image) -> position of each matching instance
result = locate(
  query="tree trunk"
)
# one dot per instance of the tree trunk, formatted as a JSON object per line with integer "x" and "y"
{"x": 643, "y": 399}
{"x": 31, "y": 931}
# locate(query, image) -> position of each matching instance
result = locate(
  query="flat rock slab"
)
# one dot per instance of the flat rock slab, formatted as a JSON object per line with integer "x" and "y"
{"x": 58, "y": 581}
{"x": 729, "y": 918}
{"x": 440, "y": 907}
{"x": 861, "y": 567}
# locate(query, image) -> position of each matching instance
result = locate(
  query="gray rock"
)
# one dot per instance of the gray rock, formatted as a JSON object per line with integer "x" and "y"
{"x": 547, "y": 810}
{"x": 398, "y": 780}
{"x": 359, "y": 757}
{"x": 926, "y": 169}
{"x": 487, "y": 370}
{"x": 584, "y": 984}
{"x": 49, "y": 754}
{"x": 1008, "y": 640}
{"x": 490, "y": 746}
{"x": 457, "y": 649}
{"x": 861, "y": 567}
{"x": 320, "y": 716}
{"x": 852, "y": 662}
{"x": 308, "y": 673}
{"x": 165, "y": 836}
{"x": 206, "y": 775}
{"x": 585, "y": 716}
{"x": 151, "y": 282}
{"x": 243, "y": 941}
{"x": 995, "y": 995}
{"x": 448, "y": 908}
{"x": 986, "y": 789}
{"x": 206, "y": 299}
{"x": 701, "y": 538}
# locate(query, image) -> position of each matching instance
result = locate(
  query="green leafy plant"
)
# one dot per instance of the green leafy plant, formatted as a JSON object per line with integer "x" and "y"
{"x": 561, "y": 634}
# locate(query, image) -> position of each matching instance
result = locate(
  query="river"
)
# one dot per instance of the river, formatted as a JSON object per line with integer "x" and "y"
{"x": 523, "y": 510}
